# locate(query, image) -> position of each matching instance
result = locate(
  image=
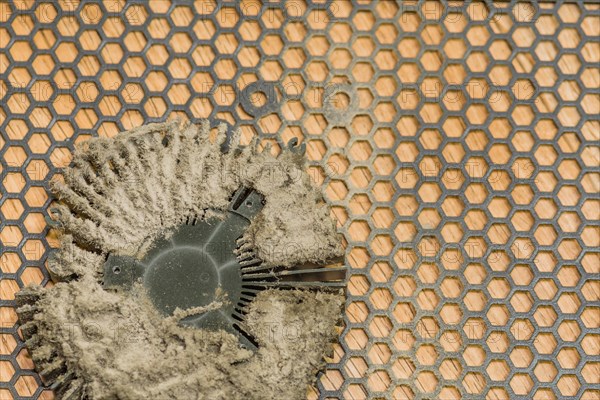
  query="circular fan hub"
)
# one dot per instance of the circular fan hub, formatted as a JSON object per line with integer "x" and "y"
{"x": 196, "y": 265}
{"x": 182, "y": 278}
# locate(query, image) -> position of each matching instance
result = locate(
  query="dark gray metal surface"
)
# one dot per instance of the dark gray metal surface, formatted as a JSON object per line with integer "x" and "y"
{"x": 194, "y": 267}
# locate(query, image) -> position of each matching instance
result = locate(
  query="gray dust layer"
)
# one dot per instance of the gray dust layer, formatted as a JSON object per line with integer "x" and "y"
{"x": 119, "y": 196}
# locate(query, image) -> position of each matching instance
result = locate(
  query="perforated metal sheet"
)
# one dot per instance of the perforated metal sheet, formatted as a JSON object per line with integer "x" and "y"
{"x": 457, "y": 143}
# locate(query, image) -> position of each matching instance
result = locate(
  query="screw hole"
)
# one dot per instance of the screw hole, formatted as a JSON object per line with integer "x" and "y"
{"x": 117, "y": 270}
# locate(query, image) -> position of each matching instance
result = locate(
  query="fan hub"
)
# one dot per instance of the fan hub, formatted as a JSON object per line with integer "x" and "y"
{"x": 188, "y": 268}
{"x": 182, "y": 278}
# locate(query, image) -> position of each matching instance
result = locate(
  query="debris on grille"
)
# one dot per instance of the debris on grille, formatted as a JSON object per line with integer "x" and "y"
{"x": 457, "y": 143}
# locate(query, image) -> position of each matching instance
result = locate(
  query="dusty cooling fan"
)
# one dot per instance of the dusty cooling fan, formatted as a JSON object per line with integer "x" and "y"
{"x": 210, "y": 258}
{"x": 132, "y": 258}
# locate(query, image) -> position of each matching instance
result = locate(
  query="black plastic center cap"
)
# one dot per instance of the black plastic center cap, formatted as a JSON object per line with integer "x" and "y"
{"x": 189, "y": 267}
{"x": 183, "y": 278}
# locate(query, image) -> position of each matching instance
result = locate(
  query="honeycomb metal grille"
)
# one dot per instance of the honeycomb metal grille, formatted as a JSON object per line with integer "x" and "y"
{"x": 456, "y": 142}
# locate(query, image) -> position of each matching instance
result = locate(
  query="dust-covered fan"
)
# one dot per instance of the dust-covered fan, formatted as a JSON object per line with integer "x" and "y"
{"x": 205, "y": 261}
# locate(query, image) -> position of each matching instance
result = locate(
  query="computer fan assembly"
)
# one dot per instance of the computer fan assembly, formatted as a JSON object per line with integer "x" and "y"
{"x": 203, "y": 260}
{"x": 178, "y": 248}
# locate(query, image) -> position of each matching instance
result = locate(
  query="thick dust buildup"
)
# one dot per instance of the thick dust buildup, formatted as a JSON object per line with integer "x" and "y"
{"x": 118, "y": 197}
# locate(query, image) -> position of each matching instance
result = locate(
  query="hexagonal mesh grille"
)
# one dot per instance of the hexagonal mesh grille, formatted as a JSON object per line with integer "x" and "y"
{"x": 457, "y": 143}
